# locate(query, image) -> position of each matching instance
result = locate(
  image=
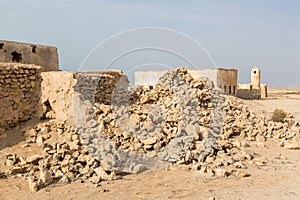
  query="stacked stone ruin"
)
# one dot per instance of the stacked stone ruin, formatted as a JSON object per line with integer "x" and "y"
{"x": 116, "y": 129}
{"x": 19, "y": 92}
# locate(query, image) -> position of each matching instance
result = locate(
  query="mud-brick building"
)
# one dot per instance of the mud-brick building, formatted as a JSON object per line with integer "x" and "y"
{"x": 40, "y": 55}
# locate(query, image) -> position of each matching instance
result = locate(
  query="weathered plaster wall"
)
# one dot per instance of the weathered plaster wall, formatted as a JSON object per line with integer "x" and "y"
{"x": 255, "y": 77}
{"x": 148, "y": 78}
{"x": 246, "y": 91}
{"x": 228, "y": 78}
{"x": 45, "y": 56}
{"x": 66, "y": 94}
{"x": 56, "y": 96}
{"x": 212, "y": 74}
{"x": 223, "y": 78}
{"x": 19, "y": 93}
{"x": 26, "y": 92}
{"x": 264, "y": 90}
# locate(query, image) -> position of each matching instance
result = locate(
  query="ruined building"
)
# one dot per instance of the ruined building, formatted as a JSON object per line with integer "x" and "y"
{"x": 254, "y": 90}
{"x": 16, "y": 52}
{"x": 27, "y": 90}
{"x": 225, "y": 79}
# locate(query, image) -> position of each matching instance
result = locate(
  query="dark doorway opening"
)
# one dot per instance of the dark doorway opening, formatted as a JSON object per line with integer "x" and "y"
{"x": 33, "y": 49}
{"x": 16, "y": 57}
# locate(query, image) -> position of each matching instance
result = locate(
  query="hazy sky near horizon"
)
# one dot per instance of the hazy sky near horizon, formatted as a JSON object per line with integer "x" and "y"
{"x": 237, "y": 34}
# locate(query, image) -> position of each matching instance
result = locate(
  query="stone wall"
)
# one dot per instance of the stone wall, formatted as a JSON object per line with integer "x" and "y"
{"x": 97, "y": 86}
{"x": 40, "y": 55}
{"x": 64, "y": 93}
{"x": 26, "y": 92}
{"x": 19, "y": 93}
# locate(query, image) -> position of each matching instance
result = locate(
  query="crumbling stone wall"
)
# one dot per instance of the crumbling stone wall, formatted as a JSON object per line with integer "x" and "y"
{"x": 56, "y": 96}
{"x": 19, "y": 92}
{"x": 40, "y": 55}
{"x": 63, "y": 93}
{"x": 97, "y": 86}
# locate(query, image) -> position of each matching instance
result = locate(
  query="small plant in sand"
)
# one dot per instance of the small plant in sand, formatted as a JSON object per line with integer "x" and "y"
{"x": 278, "y": 115}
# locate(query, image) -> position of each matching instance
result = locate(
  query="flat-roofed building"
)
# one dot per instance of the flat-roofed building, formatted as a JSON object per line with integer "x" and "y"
{"x": 41, "y": 55}
{"x": 225, "y": 79}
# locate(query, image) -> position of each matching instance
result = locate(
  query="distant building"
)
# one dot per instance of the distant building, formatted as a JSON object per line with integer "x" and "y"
{"x": 254, "y": 90}
{"x": 45, "y": 56}
{"x": 225, "y": 79}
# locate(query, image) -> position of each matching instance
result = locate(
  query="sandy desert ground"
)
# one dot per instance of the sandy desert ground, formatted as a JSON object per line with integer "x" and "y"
{"x": 278, "y": 179}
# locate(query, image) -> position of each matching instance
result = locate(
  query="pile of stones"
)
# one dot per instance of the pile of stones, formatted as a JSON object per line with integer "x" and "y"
{"x": 178, "y": 121}
{"x": 187, "y": 121}
{"x": 241, "y": 122}
{"x": 181, "y": 121}
{"x": 62, "y": 159}
{"x": 177, "y": 110}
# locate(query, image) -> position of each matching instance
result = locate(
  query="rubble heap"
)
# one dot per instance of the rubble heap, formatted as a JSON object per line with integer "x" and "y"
{"x": 241, "y": 122}
{"x": 178, "y": 110}
{"x": 62, "y": 159}
{"x": 180, "y": 121}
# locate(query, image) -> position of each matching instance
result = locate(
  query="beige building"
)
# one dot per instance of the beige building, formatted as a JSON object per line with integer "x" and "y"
{"x": 254, "y": 90}
{"x": 225, "y": 79}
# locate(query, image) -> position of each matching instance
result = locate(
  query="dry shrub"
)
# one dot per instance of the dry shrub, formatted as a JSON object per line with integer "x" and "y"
{"x": 278, "y": 115}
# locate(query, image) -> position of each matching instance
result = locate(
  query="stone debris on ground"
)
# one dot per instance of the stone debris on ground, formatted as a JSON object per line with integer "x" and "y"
{"x": 181, "y": 121}
{"x": 59, "y": 162}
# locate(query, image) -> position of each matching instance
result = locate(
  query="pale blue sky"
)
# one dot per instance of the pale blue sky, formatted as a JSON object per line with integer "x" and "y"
{"x": 237, "y": 34}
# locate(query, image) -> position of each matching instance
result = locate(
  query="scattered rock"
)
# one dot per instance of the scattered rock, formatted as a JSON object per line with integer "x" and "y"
{"x": 17, "y": 187}
{"x": 139, "y": 168}
{"x": 181, "y": 121}
{"x": 241, "y": 173}
{"x": 33, "y": 186}
{"x": 39, "y": 140}
{"x": 221, "y": 172}
{"x": 149, "y": 141}
{"x": 45, "y": 176}
{"x": 292, "y": 144}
